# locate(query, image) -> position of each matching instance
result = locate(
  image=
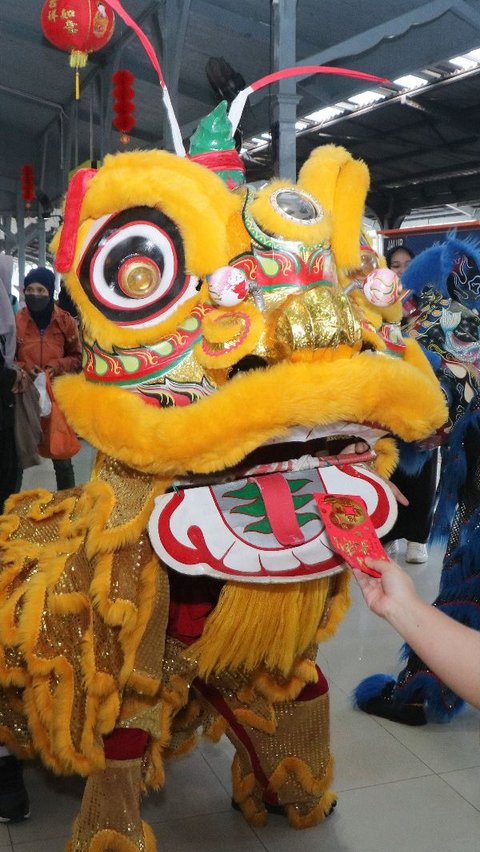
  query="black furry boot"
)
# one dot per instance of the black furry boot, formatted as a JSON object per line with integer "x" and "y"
{"x": 374, "y": 695}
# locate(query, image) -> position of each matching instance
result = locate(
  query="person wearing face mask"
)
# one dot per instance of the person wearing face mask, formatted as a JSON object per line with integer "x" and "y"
{"x": 47, "y": 340}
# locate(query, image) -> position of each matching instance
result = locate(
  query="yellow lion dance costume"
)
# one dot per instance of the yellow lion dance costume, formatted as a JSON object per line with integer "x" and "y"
{"x": 188, "y": 584}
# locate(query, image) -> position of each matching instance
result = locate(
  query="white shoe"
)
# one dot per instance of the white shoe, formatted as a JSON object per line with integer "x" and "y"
{"x": 392, "y": 548}
{"x": 416, "y": 552}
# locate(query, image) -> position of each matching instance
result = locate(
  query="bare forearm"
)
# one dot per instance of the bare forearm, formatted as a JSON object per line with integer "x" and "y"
{"x": 451, "y": 650}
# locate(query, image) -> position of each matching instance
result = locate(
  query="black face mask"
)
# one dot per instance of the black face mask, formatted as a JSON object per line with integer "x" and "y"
{"x": 36, "y": 303}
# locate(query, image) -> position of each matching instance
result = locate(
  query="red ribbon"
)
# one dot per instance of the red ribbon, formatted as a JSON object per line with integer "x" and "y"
{"x": 220, "y": 161}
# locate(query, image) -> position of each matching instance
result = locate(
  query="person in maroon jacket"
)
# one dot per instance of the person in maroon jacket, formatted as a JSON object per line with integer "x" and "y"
{"x": 47, "y": 340}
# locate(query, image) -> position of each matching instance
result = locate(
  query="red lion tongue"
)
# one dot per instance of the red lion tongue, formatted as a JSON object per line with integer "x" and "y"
{"x": 278, "y": 501}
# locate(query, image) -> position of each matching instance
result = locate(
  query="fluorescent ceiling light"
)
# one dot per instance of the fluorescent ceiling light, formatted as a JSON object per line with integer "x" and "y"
{"x": 463, "y": 62}
{"x": 324, "y": 114}
{"x": 366, "y": 98}
{"x": 410, "y": 81}
{"x": 267, "y": 136}
{"x": 258, "y": 141}
{"x": 301, "y": 125}
{"x": 474, "y": 54}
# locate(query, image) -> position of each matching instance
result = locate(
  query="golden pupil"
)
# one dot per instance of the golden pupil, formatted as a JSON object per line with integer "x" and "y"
{"x": 139, "y": 280}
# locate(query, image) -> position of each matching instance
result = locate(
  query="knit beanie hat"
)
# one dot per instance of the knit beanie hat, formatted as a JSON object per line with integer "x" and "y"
{"x": 41, "y": 275}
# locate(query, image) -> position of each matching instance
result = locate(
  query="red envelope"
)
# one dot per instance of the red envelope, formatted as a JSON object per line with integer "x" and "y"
{"x": 350, "y": 530}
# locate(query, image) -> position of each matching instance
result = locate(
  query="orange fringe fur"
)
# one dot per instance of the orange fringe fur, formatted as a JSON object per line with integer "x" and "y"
{"x": 254, "y": 625}
{"x": 403, "y": 396}
{"x": 79, "y": 519}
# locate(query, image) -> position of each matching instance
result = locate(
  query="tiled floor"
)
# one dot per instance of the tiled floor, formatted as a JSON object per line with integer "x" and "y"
{"x": 414, "y": 789}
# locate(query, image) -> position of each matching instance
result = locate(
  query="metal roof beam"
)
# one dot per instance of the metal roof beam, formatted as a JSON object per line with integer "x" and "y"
{"x": 450, "y": 147}
{"x": 238, "y": 22}
{"x": 398, "y": 26}
{"x": 8, "y": 185}
{"x": 439, "y": 175}
{"x": 436, "y": 111}
{"x": 467, "y": 13}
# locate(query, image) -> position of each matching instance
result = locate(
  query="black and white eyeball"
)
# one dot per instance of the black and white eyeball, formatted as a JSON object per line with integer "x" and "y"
{"x": 133, "y": 267}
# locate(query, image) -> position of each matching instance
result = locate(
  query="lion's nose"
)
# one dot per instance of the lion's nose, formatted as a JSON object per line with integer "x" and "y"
{"x": 322, "y": 317}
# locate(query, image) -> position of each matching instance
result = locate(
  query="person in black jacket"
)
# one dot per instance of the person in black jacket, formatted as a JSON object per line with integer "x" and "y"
{"x": 14, "y": 803}
{"x": 8, "y": 456}
{"x": 416, "y": 475}
{"x": 11, "y": 380}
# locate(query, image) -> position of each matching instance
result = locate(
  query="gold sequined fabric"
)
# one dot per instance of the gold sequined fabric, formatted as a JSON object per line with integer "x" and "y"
{"x": 320, "y": 318}
{"x": 279, "y": 730}
{"x": 83, "y": 614}
{"x": 111, "y": 806}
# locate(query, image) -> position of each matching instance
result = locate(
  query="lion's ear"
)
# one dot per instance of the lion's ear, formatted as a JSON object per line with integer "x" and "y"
{"x": 340, "y": 183}
{"x": 319, "y": 174}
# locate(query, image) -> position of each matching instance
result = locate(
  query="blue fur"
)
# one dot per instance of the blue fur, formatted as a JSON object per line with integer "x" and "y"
{"x": 425, "y": 271}
{"x": 440, "y": 703}
{"x": 459, "y": 592}
{"x": 453, "y": 478}
{"x": 411, "y": 459}
{"x": 434, "y": 358}
{"x": 369, "y": 688}
{"x": 432, "y": 267}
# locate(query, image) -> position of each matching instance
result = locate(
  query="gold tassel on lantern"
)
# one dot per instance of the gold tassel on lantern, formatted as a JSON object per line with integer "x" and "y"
{"x": 78, "y": 59}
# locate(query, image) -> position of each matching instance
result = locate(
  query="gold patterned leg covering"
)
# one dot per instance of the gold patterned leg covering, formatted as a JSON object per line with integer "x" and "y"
{"x": 282, "y": 760}
{"x": 109, "y": 819}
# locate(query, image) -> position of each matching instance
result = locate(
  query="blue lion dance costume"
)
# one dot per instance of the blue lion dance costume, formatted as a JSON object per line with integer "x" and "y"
{"x": 445, "y": 285}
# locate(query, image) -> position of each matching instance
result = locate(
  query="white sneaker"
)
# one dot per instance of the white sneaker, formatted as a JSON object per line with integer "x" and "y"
{"x": 392, "y": 548}
{"x": 416, "y": 552}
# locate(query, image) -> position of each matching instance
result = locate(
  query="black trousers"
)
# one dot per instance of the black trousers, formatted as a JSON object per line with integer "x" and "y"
{"x": 8, "y": 463}
{"x": 414, "y": 521}
{"x": 64, "y": 475}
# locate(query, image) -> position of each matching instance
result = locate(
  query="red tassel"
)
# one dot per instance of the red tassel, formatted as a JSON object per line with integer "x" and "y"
{"x": 28, "y": 185}
{"x": 123, "y": 103}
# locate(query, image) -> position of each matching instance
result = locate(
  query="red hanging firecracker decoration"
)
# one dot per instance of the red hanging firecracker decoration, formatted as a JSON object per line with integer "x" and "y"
{"x": 78, "y": 26}
{"x": 28, "y": 185}
{"x": 123, "y": 105}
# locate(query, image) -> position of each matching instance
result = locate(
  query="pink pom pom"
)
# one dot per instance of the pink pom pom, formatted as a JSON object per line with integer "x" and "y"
{"x": 382, "y": 287}
{"x": 227, "y": 286}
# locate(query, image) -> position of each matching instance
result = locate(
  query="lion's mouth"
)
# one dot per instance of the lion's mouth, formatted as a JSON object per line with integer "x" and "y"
{"x": 258, "y": 521}
{"x": 303, "y": 448}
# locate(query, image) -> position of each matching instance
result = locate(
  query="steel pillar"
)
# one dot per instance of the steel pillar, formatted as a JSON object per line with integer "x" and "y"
{"x": 284, "y": 33}
{"x": 21, "y": 241}
{"x": 42, "y": 241}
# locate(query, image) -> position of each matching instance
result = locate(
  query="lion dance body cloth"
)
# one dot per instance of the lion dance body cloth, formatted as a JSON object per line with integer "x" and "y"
{"x": 230, "y": 368}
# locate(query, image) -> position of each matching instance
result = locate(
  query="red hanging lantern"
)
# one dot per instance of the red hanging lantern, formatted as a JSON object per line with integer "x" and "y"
{"x": 123, "y": 105}
{"x": 28, "y": 185}
{"x": 78, "y": 26}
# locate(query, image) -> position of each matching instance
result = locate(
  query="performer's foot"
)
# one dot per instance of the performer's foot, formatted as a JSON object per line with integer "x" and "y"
{"x": 416, "y": 552}
{"x": 271, "y": 809}
{"x": 385, "y": 706}
{"x": 14, "y": 804}
{"x": 280, "y": 809}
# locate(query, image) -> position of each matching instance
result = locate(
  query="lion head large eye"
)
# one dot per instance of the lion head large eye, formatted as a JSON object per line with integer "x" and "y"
{"x": 133, "y": 267}
{"x": 293, "y": 204}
